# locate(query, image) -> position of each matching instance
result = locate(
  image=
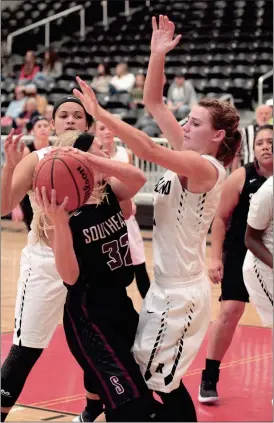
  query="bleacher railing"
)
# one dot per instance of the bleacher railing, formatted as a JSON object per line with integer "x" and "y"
{"x": 152, "y": 171}
{"x": 261, "y": 85}
{"x": 46, "y": 22}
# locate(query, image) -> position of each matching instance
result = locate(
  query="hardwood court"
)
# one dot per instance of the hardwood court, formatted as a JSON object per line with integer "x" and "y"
{"x": 55, "y": 392}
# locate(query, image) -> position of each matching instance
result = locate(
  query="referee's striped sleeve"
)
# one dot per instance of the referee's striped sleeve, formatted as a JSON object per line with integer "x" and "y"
{"x": 247, "y": 151}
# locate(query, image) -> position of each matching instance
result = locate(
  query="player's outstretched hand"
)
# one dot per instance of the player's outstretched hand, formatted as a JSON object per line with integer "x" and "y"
{"x": 13, "y": 153}
{"x": 17, "y": 214}
{"x": 56, "y": 213}
{"x": 162, "y": 36}
{"x": 216, "y": 271}
{"x": 87, "y": 98}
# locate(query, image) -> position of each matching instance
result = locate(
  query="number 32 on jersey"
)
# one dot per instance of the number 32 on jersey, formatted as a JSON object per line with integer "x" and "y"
{"x": 115, "y": 249}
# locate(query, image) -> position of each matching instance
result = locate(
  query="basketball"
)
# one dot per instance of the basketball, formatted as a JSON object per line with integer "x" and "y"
{"x": 69, "y": 175}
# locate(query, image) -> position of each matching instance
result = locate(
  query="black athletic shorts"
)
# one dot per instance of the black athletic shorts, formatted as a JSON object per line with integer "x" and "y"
{"x": 100, "y": 338}
{"x": 233, "y": 287}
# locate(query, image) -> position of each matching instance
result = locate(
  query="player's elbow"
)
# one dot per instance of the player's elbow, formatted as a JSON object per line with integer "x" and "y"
{"x": 137, "y": 182}
{"x": 252, "y": 238}
{"x": 69, "y": 275}
{"x": 221, "y": 220}
{"x": 140, "y": 180}
{"x": 248, "y": 240}
{"x": 4, "y": 211}
{"x": 6, "y": 206}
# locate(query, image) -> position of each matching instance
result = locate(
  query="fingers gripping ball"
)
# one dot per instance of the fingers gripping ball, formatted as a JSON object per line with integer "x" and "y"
{"x": 69, "y": 175}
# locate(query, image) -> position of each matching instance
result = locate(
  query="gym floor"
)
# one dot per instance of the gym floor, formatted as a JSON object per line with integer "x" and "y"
{"x": 55, "y": 392}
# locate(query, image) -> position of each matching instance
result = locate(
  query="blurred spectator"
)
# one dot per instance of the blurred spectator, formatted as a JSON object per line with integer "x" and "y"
{"x": 181, "y": 96}
{"x": 6, "y": 125}
{"x": 48, "y": 112}
{"x": 123, "y": 81}
{"x": 16, "y": 106}
{"x": 147, "y": 124}
{"x": 31, "y": 91}
{"x": 100, "y": 83}
{"x": 29, "y": 113}
{"x": 29, "y": 68}
{"x": 263, "y": 114}
{"x": 137, "y": 91}
{"x": 269, "y": 103}
{"x": 52, "y": 69}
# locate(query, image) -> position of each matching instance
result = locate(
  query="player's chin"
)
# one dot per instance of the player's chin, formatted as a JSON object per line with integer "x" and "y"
{"x": 267, "y": 159}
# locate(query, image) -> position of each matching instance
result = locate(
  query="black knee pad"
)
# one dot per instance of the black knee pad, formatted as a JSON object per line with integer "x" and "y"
{"x": 15, "y": 371}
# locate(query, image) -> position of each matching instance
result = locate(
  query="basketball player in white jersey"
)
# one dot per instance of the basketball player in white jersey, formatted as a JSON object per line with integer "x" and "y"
{"x": 137, "y": 249}
{"x": 41, "y": 293}
{"x": 176, "y": 311}
{"x": 258, "y": 264}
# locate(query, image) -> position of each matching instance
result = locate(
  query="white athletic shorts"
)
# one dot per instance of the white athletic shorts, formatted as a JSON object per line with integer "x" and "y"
{"x": 258, "y": 279}
{"x": 40, "y": 298}
{"x": 136, "y": 243}
{"x": 172, "y": 325}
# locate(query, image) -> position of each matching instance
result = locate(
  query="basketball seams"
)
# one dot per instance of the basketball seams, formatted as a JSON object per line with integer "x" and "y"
{"x": 41, "y": 165}
{"x": 52, "y": 171}
{"x": 53, "y": 174}
{"x": 71, "y": 174}
{"x": 83, "y": 164}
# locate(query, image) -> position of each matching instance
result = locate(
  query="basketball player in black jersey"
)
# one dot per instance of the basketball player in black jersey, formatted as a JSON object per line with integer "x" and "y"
{"x": 228, "y": 254}
{"x": 93, "y": 258}
{"x": 35, "y": 333}
{"x": 41, "y": 133}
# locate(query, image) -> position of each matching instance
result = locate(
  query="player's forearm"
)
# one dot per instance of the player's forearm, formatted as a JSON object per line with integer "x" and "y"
{"x": 6, "y": 184}
{"x": 65, "y": 258}
{"x": 126, "y": 207}
{"x": 124, "y": 172}
{"x": 257, "y": 247}
{"x": 153, "y": 89}
{"x": 218, "y": 232}
{"x": 153, "y": 99}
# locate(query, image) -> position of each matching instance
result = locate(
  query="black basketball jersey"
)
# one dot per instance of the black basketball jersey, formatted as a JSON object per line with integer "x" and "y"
{"x": 101, "y": 245}
{"x": 237, "y": 227}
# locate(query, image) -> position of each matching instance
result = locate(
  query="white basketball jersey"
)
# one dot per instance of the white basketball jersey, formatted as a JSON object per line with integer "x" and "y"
{"x": 181, "y": 223}
{"x": 31, "y": 236}
{"x": 121, "y": 154}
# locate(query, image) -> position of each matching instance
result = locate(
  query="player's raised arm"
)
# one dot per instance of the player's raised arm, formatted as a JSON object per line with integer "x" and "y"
{"x": 17, "y": 173}
{"x": 125, "y": 179}
{"x": 186, "y": 163}
{"x": 162, "y": 41}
